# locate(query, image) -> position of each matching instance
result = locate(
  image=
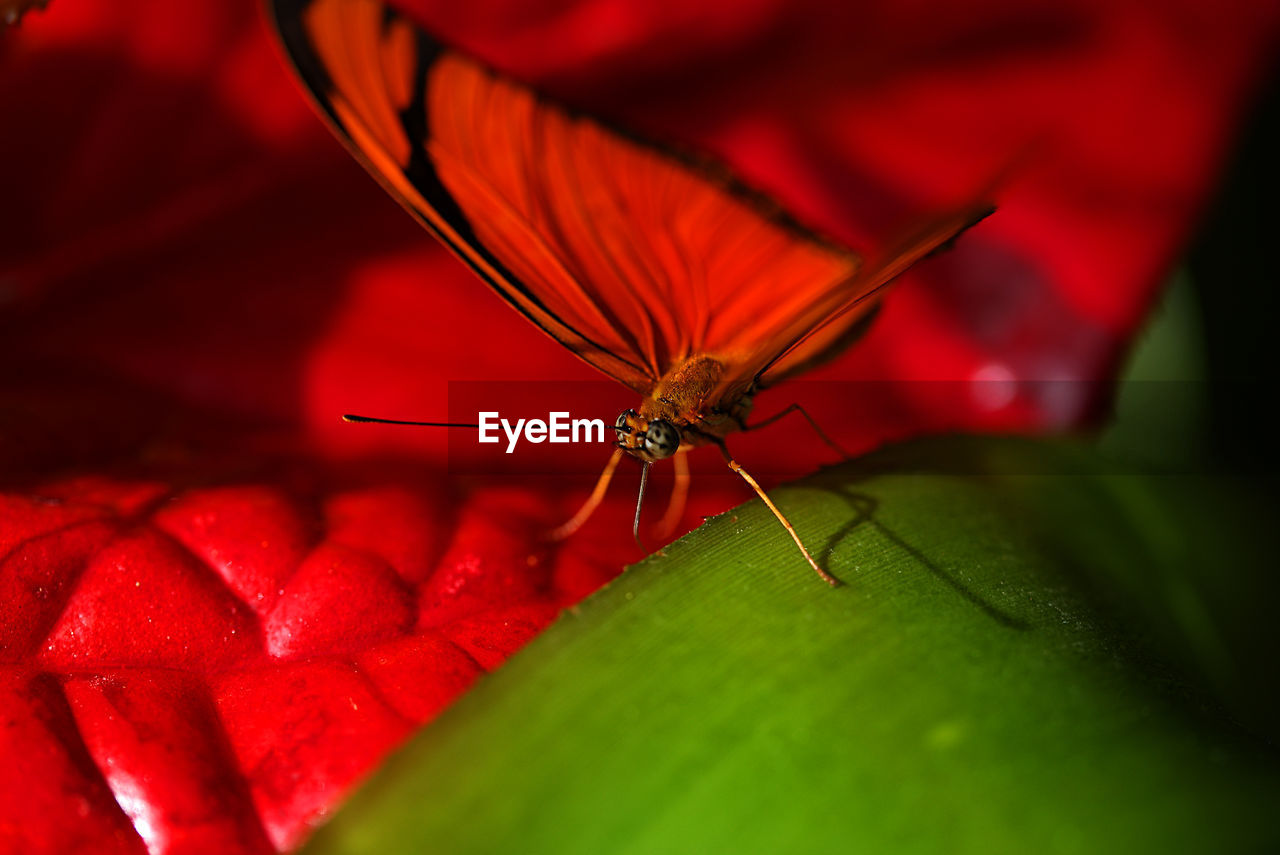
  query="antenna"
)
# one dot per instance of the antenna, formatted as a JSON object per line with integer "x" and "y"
{"x": 347, "y": 417}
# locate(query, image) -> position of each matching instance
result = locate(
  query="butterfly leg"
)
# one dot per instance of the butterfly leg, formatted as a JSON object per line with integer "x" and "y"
{"x": 593, "y": 501}
{"x": 736, "y": 467}
{"x": 679, "y": 498}
{"x": 816, "y": 429}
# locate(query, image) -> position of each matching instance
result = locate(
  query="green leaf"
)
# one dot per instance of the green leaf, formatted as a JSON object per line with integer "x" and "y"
{"x": 1015, "y": 665}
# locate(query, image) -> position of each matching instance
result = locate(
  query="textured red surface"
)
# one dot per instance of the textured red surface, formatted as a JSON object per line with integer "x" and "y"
{"x": 210, "y": 669}
{"x": 219, "y": 606}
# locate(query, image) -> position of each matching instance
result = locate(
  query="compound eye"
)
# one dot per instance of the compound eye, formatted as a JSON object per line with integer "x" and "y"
{"x": 623, "y": 424}
{"x": 662, "y": 439}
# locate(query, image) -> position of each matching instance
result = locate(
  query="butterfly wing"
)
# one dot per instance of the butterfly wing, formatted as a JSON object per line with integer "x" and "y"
{"x": 369, "y": 72}
{"x": 633, "y": 257}
{"x": 845, "y": 322}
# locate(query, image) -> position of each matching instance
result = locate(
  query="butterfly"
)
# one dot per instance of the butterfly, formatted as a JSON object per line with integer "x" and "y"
{"x": 660, "y": 269}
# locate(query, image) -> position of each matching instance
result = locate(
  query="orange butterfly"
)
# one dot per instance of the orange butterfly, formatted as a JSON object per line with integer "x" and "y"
{"x": 664, "y": 273}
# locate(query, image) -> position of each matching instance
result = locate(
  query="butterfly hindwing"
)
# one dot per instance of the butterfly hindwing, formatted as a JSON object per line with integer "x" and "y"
{"x": 847, "y": 322}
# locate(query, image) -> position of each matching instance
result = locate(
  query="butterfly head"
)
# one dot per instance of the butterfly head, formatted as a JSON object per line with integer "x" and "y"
{"x": 647, "y": 439}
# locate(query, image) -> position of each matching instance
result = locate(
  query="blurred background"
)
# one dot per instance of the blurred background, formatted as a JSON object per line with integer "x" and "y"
{"x": 1201, "y": 371}
{"x": 179, "y": 226}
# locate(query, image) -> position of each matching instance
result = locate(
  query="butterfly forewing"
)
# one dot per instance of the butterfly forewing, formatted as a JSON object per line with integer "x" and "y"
{"x": 632, "y": 256}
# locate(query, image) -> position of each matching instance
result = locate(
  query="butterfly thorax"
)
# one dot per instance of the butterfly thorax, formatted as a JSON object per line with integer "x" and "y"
{"x": 687, "y": 408}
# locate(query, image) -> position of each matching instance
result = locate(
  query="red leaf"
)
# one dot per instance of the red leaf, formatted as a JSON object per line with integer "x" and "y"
{"x": 339, "y": 601}
{"x": 326, "y": 727}
{"x": 171, "y": 771}
{"x": 144, "y": 602}
{"x": 52, "y": 795}
{"x": 420, "y": 675}
{"x": 149, "y": 678}
{"x": 252, "y": 536}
